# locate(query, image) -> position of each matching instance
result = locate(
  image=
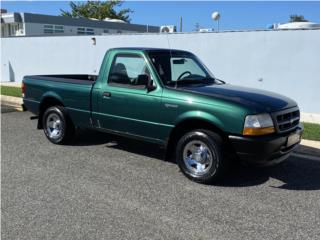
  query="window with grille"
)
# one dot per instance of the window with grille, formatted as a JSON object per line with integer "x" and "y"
{"x": 58, "y": 29}
{"x": 90, "y": 31}
{"x": 50, "y": 29}
{"x": 85, "y": 31}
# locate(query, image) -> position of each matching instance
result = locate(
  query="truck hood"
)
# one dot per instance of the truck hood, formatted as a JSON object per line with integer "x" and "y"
{"x": 254, "y": 99}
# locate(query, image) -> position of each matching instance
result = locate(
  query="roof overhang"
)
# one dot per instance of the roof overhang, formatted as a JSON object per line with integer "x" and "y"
{"x": 11, "y": 18}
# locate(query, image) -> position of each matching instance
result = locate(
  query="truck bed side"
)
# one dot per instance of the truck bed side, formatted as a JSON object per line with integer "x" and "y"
{"x": 72, "y": 91}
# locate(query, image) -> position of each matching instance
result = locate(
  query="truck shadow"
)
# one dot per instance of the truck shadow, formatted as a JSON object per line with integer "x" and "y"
{"x": 89, "y": 138}
{"x": 299, "y": 172}
{"x": 296, "y": 173}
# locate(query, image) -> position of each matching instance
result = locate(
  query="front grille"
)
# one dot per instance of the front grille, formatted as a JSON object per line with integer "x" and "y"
{"x": 288, "y": 119}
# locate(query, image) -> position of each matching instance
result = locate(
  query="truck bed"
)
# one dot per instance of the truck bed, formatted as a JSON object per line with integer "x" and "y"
{"x": 72, "y": 91}
{"x": 67, "y": 78}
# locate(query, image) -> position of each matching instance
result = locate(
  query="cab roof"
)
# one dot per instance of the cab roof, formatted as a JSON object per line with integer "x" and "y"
{"x": 164, "y": 50}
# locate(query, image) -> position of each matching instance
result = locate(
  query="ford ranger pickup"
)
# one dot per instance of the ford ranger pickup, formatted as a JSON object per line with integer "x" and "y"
{"x": 170, "y": 98}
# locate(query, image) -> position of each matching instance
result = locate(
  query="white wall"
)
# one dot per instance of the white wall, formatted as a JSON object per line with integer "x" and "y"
{"x": 286, "y": 62}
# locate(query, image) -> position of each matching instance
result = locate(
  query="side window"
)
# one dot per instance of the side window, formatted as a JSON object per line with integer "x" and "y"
{"x": 125, "y": 71}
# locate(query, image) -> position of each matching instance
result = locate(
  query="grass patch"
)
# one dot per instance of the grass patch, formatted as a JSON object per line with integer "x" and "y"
{"x": 311, "y": 131}
{"x": 10, "y": 91}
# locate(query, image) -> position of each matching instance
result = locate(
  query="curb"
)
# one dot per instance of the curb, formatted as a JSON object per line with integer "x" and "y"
{"x": 14, "y": 102}
{"x": 11, "y": 84}
{"x": 308, "y": 147}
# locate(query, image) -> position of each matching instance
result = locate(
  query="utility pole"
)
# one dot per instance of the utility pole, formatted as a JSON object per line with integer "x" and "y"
{"x": 216, "y": 17}
{"x": 197, "y": 27}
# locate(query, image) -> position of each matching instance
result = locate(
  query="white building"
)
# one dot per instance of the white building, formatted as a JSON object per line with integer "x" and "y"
{"x": 298, "y": 25}
{"x": 29, "y": 24}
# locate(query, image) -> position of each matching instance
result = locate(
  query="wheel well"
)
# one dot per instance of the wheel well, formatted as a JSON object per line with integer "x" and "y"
{"x": 187, "y": 126}
{"x": 45, "y": 104}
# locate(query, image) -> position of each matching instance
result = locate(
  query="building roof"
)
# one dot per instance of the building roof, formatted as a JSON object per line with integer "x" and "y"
{"x": 10, "y": 17}
{"x": 299, "y": 25}
{"x": 69, "y": 21}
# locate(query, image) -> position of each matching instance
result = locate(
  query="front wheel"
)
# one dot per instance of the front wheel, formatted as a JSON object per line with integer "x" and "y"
{"x": 199, "y": 156}
{"x": 57, "y": 125}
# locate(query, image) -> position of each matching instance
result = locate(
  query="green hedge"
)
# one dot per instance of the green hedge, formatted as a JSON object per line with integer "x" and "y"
{"x": 11, "y": 91}
{"x": 311, "y": 131}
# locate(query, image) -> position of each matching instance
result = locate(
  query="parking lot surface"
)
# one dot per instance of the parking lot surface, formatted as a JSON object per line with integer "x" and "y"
{"x": 103, "y": 187}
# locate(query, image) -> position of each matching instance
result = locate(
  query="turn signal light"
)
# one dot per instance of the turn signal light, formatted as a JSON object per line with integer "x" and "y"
{"x": 258, "y": 131}
{"x": 23, "y": 89}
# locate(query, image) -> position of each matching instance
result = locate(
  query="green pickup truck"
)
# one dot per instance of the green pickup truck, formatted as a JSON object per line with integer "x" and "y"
{"x": 170, "y": 98}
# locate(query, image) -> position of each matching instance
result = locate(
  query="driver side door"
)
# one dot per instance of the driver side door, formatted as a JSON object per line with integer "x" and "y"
{"x": 126, "y": 106}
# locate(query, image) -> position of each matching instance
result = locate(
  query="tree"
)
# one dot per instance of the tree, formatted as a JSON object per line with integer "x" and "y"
{"x": 297, "y": 18}
{"x": 98, "y": 10}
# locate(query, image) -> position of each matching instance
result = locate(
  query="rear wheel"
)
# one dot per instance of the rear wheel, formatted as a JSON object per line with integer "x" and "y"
{"x": 199, "y": 156}
{"x": 57, "y": 125}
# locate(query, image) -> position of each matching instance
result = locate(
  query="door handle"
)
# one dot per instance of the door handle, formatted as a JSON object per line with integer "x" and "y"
{"x": 106, "y": 94}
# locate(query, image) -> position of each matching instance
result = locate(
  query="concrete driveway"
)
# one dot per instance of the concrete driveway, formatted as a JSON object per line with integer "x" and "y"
{"x": 104, "y": 187}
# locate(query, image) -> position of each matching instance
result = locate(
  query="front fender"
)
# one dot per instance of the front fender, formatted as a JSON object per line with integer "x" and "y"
{"x": 200, "y": 115}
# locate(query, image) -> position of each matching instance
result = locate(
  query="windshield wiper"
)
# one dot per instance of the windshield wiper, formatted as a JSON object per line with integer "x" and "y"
{"x": 192, "y": 81}
{"x": 208, "y": 80}
{"x": 195, "y": 81}
{"x": 189, "y": 81}
{"x": 215, "y": 80}
{"x": 223, "y": 82}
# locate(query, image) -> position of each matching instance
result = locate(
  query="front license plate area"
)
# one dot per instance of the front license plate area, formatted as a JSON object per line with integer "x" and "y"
{"x": 293, "y": 139}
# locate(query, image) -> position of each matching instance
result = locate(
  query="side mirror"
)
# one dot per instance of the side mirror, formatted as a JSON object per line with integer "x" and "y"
{"x": 145, "y": 80}
{"x": 151, "y": 86}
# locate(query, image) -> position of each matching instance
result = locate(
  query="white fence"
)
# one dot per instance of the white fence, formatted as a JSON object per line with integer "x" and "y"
{"x": 287, "y": 62}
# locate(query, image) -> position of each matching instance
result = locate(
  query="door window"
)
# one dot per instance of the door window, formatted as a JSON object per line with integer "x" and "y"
{"x": 125, "y": 71}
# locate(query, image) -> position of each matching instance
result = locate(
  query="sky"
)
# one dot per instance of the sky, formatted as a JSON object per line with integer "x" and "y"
{"x": 236, "y": 15}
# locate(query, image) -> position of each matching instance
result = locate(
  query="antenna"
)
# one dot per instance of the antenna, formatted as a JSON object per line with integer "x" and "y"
{"x": 170, "y": 53}
{"x": 168, "y": 42}
{"x": 216, "y": 17}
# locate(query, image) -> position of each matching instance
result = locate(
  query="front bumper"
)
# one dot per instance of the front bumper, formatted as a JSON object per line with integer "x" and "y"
{"x": 266, "y": 150}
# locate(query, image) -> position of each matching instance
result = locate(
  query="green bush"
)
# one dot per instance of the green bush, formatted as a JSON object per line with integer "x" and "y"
{"x": 311, "y": 131}
{"x": 11, "y": 91}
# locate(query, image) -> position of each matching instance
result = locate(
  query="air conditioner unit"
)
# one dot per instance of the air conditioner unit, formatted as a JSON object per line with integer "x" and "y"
{"x": 206, "y": 30}
{"x": 168, "y": 29}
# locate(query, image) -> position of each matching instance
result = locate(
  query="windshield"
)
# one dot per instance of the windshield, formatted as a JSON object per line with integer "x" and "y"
{"x": 177, "y": 68}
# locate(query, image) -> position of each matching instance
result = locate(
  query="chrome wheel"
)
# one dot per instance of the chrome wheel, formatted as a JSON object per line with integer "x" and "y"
{"x": 54, "y": 126}
{"x": 197, "y": 157}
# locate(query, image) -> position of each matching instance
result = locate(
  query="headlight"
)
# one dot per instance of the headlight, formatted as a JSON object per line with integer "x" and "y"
{"x": 255, "y": 125}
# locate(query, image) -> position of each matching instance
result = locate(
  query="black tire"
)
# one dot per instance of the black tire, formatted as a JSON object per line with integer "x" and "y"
{"x": 211, "y": 146}
{"x": 64, "y": 127}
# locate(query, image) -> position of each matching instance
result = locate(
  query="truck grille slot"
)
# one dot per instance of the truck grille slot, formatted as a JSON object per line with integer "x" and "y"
{"x": 288, "y": 120}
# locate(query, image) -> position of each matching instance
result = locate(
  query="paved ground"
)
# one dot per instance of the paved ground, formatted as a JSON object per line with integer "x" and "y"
{"x": 100, "y": 188}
